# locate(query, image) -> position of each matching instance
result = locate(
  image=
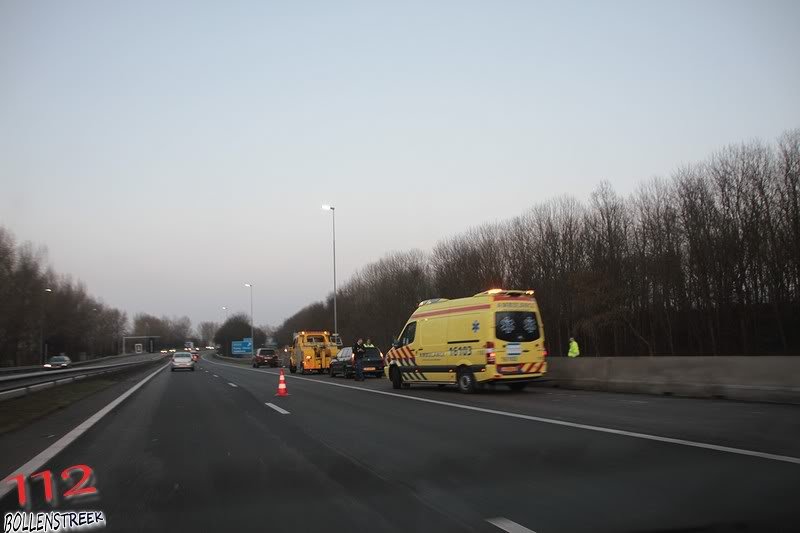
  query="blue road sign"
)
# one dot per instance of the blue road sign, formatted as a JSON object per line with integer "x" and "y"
{"x": 243, "y": 347}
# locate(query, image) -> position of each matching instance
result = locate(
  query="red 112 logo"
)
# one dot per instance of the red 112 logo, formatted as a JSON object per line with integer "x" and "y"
{"x": 80, "y": 488}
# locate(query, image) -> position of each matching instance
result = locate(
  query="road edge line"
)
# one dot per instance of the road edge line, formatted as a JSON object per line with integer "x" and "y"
{"x": 54, "y": 449}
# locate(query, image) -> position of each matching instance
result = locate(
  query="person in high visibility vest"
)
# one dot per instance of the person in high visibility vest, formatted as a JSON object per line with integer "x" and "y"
{"x": 574, "y": 350}
{"x": 369, "y": 344}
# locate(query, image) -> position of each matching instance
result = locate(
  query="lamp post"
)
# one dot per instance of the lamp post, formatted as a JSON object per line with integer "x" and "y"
{"x": 224, "y": 308}
{"x": 43, "y": 346}
{"x": 332, "y": 209}
{"x": 252, "y": 327}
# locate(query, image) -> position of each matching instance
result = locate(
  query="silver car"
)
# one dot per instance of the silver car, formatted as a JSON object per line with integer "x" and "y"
{"x": 59, "y": 361}
{"x": 182, "y": 361}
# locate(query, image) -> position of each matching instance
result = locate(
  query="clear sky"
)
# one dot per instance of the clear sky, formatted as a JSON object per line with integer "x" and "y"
{"x": 167, "y": 152}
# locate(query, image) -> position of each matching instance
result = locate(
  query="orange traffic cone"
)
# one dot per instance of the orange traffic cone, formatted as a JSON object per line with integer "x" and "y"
{"x": 282, "y": 386}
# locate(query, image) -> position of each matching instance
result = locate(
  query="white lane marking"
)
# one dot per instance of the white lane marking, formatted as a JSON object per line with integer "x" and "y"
{"x": 646, "y": 436}
{"x": 232, "y": 384}
{"x": 280, "y": 410}
{"x": 508, "y": 525}
{"x": 216, "y": 376}
{"x": 51, "y": 451}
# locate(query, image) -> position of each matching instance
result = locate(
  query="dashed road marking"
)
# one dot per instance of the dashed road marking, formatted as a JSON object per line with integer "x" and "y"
{"x": 279, "y": 409}
{"x": 232, "y": 384}
{"x": 508, "y": 525}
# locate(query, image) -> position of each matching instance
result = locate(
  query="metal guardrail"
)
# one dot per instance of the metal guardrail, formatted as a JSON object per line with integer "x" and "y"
{"x": 15, "y": 386}
{"x": 19, "y": 369}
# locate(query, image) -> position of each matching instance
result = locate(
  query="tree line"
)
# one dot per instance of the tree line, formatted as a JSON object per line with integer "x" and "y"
{"x": 42, "y": 312}
{"x": 706, "y": 261}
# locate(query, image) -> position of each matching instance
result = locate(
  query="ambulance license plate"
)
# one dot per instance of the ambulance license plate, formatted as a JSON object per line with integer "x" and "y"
{"x": 513, "y": 349}
{"x": 369, "y": 369}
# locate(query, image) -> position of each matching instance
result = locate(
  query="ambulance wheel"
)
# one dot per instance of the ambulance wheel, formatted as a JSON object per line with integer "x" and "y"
{"x": 330, "y": 371}
{"x": 396, "y": 378}
{"x": 466, "y": 381}
{"x": 517, "y": 386}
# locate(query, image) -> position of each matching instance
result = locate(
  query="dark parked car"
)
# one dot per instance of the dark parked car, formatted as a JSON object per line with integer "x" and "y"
{"x": 266, "y": 356}
{"x": 58, "y": 361}
{"x": 344, "y": 364}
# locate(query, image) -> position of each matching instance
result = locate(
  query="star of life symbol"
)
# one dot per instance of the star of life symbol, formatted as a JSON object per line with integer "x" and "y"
{"x": 476, "y": 326}
{"x": 530, "y": 324}
{"x": 507, "y": 325}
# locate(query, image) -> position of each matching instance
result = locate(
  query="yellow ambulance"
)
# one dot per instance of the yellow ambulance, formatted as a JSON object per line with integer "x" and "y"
{"x": 493, "y": 337}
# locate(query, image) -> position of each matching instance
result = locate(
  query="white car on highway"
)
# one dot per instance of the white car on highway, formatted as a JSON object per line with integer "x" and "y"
{"x": 182, "y": 361}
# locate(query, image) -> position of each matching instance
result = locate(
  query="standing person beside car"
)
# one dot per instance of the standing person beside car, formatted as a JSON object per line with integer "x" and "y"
{"x": 358, "y": 359}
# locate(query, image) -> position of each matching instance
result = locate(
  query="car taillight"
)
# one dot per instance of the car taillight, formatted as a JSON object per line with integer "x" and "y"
{"x": 544, "y": 352}
{"x": 490, "y": 355}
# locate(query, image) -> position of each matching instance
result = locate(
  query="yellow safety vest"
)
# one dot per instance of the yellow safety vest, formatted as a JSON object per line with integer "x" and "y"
{"x": 574, "y": 351}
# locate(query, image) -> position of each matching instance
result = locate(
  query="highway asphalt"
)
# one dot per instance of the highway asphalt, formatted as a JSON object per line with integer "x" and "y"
{"x": 205, "y": 451}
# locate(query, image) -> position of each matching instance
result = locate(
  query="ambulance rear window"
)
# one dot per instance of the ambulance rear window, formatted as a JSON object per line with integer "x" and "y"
{"x": 516, "y": 326}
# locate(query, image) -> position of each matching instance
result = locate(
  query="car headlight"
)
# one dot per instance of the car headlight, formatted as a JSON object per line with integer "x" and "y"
{"x": 47, "y": 365}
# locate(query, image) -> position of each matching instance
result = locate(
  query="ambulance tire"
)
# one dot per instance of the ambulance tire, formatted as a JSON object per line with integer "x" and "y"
{"x": 516, "y": 387}
{"x": 466, "y": 381}
{"x": 330, "y": 371}
{"x": 395, "y": 377}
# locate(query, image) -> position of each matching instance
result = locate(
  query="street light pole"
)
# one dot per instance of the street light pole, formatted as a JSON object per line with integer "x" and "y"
{"x": 332, "y": 209}
{"x": 224, "y": 308}
{"x": 43, "y": 347}
{"x": 252, "y": 326}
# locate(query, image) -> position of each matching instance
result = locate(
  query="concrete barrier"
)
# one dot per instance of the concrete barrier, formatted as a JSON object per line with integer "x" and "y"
{"x": 753, "y": 378}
